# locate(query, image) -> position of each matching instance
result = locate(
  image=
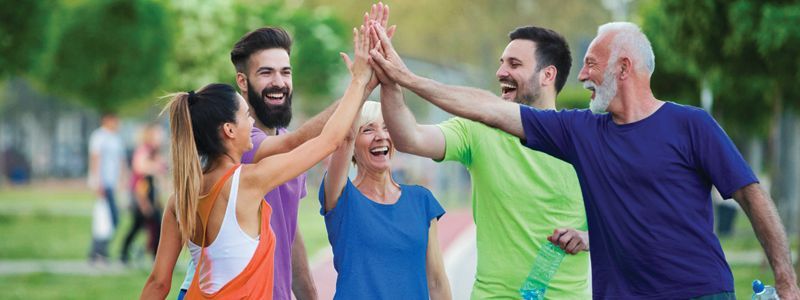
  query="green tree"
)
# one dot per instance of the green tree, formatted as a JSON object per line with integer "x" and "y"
{"x": 111, "y": 52}
{"x": 24, "y": 31}
{"x": 203, "y": 42}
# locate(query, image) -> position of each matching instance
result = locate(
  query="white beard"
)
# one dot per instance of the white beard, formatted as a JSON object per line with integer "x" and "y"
{"x": 604, "y": 93}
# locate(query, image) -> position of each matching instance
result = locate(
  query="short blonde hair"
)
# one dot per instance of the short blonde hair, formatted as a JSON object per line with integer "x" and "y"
{"x": 370, "y": 111}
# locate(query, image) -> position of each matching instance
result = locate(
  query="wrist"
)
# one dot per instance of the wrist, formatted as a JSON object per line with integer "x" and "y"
{"x": 390, "y": 87}
{"x": 406, "y": 78}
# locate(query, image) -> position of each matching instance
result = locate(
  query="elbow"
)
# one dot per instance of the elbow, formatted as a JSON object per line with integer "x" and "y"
{"x": 156, "y": 288}
{"x": 439, "y": 288}
{"x": 403, "y": 146}
{"x": 328, "y": 143}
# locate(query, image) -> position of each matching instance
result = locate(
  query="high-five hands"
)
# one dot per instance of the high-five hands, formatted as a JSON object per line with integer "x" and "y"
{"x": 378, "y": 13}
{"x": 388, "y": 65}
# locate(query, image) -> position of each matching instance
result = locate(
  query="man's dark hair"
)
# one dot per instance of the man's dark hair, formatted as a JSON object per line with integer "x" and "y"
{"x": 551, "y": 49}
{"x": 257, "y": 40}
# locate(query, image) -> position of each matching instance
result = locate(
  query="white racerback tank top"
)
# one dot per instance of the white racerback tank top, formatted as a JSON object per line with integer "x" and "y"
{"x": 230, "y": 252}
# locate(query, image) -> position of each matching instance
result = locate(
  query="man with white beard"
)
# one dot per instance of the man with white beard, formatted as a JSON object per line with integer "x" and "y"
{"x": 645, "y": 168}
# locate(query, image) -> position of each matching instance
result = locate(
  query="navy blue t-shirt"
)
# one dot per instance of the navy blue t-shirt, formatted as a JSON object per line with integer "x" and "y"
{"x": 380, "y": 250}
{"x": 647, "y": 192}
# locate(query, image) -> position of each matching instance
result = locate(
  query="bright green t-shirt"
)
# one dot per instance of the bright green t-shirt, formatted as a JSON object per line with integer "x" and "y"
{"x": 519, "y": 196}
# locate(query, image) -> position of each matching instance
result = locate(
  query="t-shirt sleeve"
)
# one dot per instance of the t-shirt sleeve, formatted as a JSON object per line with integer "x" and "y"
{"x": 457, "y": 140}
{"x": 718, "y": 157}
{"x": 547, "y": 131}
{"x": 346, "y": 190}
{"x": 301, "y": 186}
{"x": 95, "y": 143}
{"x": 258, "y": 137}
{"x": 433, "y": 208}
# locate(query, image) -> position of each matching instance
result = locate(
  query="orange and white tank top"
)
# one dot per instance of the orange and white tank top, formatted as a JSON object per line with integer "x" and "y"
{"x": 235, "y": 265}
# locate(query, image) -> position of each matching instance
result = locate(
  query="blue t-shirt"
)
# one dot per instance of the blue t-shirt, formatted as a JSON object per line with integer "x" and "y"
{"x": 647, "y": 192}
{"x": 379, "y": 250}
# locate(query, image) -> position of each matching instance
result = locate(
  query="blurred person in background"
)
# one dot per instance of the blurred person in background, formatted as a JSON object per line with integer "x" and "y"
{"x": 147, "y": 166}
{"x": 106, "y": 164}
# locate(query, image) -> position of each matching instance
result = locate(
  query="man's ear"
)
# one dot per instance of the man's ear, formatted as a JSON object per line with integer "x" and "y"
{"x": 241, "y": 81}
{"x": 547, "y": 76}
{"x": 625, "y": 67}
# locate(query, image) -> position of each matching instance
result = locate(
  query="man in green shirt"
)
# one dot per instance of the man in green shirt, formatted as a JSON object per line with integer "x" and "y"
{"x": 520, "y": 198}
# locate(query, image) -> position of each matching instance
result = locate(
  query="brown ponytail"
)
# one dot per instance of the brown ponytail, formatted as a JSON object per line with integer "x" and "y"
{"x": 186, "y": 169}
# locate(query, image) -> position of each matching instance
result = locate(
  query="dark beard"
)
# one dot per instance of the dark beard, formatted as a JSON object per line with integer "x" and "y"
{"x": 272, "y": 116}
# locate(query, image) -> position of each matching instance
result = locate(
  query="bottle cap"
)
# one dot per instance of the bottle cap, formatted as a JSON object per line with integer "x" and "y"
{"x": 758, "y": 286}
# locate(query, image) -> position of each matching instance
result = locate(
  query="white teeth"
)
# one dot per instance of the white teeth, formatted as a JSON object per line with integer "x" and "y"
{"x": 379, "y": 149}
{"x": 507, "y": 86}
{"x": 279, "y": 95}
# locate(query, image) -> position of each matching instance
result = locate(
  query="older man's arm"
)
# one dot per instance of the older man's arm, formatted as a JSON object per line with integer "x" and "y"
{"x": 772, "y": 236}
{"x": 471, "y": 103}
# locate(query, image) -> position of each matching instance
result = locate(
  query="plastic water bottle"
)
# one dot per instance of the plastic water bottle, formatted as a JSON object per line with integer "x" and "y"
{"x": 545, "y": 266}
{"x": 763, "y": 292}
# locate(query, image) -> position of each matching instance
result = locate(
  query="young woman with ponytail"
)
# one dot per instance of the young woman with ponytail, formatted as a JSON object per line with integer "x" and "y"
{"x": 217, "y": 208}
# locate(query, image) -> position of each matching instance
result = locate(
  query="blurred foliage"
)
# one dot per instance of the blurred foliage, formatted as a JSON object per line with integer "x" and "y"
{"x": 23, "y": 32}
{"x": 745, "y": 49}
{"x": 202, "y": 44}
{"x": 110, "y": 52}
{"x": 115, "y": 54}
{"x": 573, "y": 97}
{"x": 471, "y": 35}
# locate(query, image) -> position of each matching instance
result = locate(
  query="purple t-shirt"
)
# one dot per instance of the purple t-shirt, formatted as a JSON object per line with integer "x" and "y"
{"x": 647, "y": 190}
{"x": 284, "y": 201}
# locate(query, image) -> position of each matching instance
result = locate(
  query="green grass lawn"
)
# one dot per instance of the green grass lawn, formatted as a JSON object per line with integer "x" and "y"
{"x": 32, "y": 227}
{"x": 55, "y": 286}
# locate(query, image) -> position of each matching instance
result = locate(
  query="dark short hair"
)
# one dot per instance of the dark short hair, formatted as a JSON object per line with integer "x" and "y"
{"x": 551, "y": 49}
{"x": 260, "y": 39}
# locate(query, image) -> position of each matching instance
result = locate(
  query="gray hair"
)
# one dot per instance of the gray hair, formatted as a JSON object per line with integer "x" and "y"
{"x": 630, "y": 39}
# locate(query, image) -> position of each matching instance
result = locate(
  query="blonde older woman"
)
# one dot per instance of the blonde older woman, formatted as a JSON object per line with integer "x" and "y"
{"x": 383, "y": 233}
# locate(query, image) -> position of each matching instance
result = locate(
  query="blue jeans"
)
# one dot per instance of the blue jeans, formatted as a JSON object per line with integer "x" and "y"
{"x": 112, "y": 205}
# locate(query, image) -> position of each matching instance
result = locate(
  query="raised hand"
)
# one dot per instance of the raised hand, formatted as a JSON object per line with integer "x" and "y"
{"x": 360, "y": 68}
{"x": 385, "y": 60}
{"x": 378, "y": 13}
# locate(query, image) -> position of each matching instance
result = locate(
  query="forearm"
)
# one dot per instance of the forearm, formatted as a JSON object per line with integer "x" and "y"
{"x": 313, "y": 126}
{"x": 769, "y": 231}
{"x": 399, "y": 119}
{"x": 155, "y": 289}
{"x": 466, "y": 102}
{"x": 285, "y": 143}
{"x": 342, "y": 118}
{"x": 302, "y": 283}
